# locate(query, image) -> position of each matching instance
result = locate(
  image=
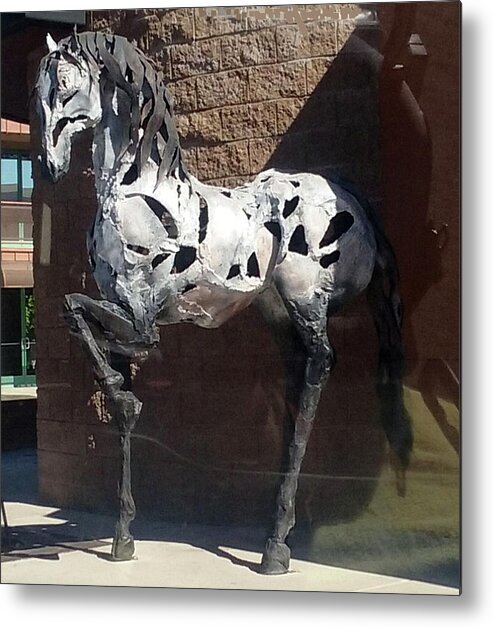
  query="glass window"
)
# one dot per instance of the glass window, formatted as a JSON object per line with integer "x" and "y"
{"x": 17, "y": 178}
{"x": 10, "y": 178}
{"x": 17, "y": 187}
{"x": 27, "y": 179}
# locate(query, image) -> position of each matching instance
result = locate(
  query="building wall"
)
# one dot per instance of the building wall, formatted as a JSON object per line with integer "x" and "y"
{"x": 240, "y": 78}
{"x": 252, "y": 90}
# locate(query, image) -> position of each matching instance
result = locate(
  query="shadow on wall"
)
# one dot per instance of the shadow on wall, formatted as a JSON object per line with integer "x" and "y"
{"x": 336, "y": 132}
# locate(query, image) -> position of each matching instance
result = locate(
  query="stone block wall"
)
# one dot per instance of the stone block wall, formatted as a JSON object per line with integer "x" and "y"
{"x": 240, "y": 78}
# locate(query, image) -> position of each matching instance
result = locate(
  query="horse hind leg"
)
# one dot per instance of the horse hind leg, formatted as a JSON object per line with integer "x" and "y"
{"x": 319, "y": 358}
{"x": 293, "y": 355}
{"x": 385, "y": 306}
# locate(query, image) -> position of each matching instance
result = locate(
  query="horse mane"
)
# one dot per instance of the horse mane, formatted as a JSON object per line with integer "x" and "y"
{"x": 141, "y": 91}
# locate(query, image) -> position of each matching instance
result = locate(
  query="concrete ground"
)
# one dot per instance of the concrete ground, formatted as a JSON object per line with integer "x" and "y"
{"x": 44, "y": 546}
{"x": 68, "y": 547}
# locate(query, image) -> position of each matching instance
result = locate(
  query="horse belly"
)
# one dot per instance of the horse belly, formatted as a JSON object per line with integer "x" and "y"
{"x": 207, "y": 305}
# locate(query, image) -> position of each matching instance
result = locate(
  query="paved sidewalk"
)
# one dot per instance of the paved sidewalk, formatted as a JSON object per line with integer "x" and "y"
{"x": 46, "y": 546}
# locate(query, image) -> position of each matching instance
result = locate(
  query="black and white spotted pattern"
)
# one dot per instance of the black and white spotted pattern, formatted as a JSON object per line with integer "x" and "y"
{"x": 167, "y": 246}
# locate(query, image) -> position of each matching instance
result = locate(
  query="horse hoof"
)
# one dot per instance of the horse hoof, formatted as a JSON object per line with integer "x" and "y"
{"x": 275, "y": 560}
{"x": 122, "y": 549}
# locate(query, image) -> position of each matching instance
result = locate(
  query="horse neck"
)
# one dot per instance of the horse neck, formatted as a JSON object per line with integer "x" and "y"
{"x": 113, "y": 162}
{"x": 107, "y": 160}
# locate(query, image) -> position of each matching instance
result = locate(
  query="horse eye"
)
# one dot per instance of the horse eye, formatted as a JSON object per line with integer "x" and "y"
{"x": 141, "y": 250}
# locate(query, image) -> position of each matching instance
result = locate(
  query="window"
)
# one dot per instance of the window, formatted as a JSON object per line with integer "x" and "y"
{"x": 17, "y": 186}
{"x": 17, "y": 179}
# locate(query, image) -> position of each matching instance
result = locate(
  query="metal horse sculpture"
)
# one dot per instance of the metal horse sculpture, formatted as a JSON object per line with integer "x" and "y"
{"x": 166, "y": 248}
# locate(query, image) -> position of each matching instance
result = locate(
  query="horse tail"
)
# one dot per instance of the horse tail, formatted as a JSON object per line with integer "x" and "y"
{"x": 386, "y": 307}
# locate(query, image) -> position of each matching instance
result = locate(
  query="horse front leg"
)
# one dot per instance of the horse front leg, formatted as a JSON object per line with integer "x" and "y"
{"x": 126, "y": 408}
{"x": 114, "y": 325}
{"x": 319, "y": 361}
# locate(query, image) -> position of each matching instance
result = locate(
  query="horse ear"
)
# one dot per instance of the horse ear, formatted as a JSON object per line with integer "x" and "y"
{"x": 51, "y": 43}
{"x": 74, "y": 43}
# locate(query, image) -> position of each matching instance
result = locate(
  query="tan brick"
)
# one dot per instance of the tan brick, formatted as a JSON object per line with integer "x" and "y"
{"x": 210, "y": 21}
{"x": 184, "y": 95}
{"x": 317, "y": 12}
{"x": 99, "y": 21}
{"x": 322, "y": 38}
{"x": 135, "y": 25}
{"x": 158, "y": 50}
{"x": 204, "y": 126}
{"x": 261, "y": 151}
{"x": 146, "y": 25}
{"x": 61, "y": 466}
{"x": 268, "y": 16}
{"x": 225, "y": 88}
{"x": 356, "y": 143}
{"x": 345, "y": 29}
{"x": 101, "y": 440}
{"x": 147, "y": 29}
{"x": 57, "y": 403}
{"x": 292, "y": 43}
{"x": 231, "y": 182}
{"x": 201, "y": 57}
{"x": 287, "y": 111}
{"x": 259, "y": 16}
{"x": 250, "y": 49}
{"x": 326, "y": 147}
{"x": 277, "y": 81}
{"x": 178, "y": 24}
{"x": 315, "y": 71}
{"x": 244, "y": 121}
{"x": 225, "y": 160}
{"x": 349, "y": 11}
{"x": 190, "y": 158}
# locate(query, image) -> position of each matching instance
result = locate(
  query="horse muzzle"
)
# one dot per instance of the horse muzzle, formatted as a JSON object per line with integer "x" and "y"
{"x": 51, "y": 171}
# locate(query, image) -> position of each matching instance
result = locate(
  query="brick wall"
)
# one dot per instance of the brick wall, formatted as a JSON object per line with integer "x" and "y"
{"x": 241, "y": 77}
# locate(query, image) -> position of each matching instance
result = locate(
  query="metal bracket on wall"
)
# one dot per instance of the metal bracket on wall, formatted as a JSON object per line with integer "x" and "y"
{"x": 416, "y": 63}
{"x": 416, "y": 46}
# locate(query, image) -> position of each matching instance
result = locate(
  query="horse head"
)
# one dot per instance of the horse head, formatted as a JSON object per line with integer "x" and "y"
{"x": 68, "y": 101}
